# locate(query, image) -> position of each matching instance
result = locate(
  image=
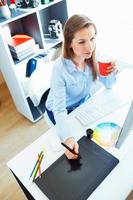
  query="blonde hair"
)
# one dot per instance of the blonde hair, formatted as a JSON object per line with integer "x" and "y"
{"x": 74, "y": 24}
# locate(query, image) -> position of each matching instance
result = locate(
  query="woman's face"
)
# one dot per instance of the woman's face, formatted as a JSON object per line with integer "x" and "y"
{"x": 83, "y": 43}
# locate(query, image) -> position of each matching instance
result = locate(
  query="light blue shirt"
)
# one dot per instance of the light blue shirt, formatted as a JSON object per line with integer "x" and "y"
{"x": 70, "y": 87}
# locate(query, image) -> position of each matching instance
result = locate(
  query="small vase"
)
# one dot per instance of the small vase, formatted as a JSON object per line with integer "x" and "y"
{"x": 5, "y": 11}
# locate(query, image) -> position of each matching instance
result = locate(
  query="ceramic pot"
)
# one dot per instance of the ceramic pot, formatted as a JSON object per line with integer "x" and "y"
{"x": 5, "y": 11}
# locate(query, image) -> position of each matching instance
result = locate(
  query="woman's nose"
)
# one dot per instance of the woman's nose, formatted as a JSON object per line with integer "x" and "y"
{"x": 89, "y": 46}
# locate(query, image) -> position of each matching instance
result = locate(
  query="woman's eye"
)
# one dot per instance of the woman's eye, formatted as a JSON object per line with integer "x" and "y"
{"x": 81, "y": 42}
{"x": 93, "y": 38}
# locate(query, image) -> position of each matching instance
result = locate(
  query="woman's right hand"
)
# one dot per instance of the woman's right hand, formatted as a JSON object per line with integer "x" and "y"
{"x": 70, "y": 142}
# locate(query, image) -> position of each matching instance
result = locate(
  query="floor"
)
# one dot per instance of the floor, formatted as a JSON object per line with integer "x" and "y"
{"x": 16, "y": 132}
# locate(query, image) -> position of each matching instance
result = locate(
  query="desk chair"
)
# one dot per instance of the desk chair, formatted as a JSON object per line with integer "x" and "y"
{"x": 42, "y": 110}
{"x": 39, "y": 86}
{"x": 48, "y": 121}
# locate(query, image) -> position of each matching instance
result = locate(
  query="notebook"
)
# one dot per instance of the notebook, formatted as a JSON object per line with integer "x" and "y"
{"x": 77, "y": 179}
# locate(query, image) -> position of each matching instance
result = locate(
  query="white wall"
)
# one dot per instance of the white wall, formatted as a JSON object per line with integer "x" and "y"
{"x": 114, "y": 21}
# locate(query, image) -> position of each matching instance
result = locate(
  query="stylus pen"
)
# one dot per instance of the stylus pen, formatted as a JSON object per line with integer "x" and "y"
{"x": 71, "y": 150}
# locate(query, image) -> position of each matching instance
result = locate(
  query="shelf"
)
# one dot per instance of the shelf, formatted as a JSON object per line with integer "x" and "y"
{"x": 49, "y": 43}
{"x": 42, "y": 67}
{"x": 17, "y": 62}
{"x": 39, "y": 7}
{"x": 15, "y": 15}
{"x": 21, "y": 12}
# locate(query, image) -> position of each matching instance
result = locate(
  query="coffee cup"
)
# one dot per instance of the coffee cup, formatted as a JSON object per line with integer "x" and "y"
{"x": 104, "y": 62}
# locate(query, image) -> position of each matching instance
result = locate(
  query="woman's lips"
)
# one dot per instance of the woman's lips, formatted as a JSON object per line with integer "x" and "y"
{"x": 88, "y": 54}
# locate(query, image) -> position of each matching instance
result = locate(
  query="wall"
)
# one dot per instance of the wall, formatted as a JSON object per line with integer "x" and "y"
{"x": 114, "y": 21}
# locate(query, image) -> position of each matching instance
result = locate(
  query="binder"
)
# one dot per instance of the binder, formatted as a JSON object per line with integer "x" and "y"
{"x": 77, "y": 179}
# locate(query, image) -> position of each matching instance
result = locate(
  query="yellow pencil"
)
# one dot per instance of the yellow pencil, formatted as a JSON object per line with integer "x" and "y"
{"x": 37, "y": 168}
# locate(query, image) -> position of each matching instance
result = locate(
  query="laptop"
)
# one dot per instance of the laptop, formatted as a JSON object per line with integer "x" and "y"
{"x": 77, "y": 179}
{"x": 127, "y": 126}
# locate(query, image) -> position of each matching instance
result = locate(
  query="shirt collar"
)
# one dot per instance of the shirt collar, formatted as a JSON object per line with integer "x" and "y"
{"x": 71, "y": 67}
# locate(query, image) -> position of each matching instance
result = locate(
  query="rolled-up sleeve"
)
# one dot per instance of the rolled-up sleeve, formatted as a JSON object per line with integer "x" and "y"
{"x": 58, "y": 87}
{"x": 108, "y": 81}
{"x": 63, "y": 125}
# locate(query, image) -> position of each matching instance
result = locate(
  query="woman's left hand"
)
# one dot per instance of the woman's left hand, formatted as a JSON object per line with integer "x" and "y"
{"x": 112, "y": 68}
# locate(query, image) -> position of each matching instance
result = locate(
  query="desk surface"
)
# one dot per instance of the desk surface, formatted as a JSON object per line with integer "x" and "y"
{"x": 121, "y": 177}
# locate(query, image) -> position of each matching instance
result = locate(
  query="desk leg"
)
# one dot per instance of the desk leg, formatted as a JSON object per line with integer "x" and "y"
{"x": 26, "y": 192}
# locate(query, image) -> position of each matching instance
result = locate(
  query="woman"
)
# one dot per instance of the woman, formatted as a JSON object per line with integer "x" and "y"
{"x": 73, "y": 75}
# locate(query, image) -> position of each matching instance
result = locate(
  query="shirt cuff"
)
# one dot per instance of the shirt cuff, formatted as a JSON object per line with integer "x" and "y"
{"x": 63, "y": 125}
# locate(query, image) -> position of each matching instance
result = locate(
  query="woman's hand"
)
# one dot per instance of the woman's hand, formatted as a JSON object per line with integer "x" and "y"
{"x": 112, "y": 68}
{"x": 70, "y": 142}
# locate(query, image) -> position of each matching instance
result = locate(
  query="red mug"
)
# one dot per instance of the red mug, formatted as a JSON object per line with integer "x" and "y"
{"x": 103, "y": 63}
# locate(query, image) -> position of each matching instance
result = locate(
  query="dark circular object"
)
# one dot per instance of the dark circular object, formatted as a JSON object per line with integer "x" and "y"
{"x": 89, "y": 133}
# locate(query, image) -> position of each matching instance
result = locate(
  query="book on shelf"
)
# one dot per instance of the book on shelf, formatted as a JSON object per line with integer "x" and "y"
{"x": 21, "y": 50}
{"x": 21, "y": 53}
{"x": 23, "y": 56}
{"x": 20, "y": 41}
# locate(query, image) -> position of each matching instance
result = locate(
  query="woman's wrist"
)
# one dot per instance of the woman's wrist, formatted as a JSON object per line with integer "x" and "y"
{"x": 69, "y": 139}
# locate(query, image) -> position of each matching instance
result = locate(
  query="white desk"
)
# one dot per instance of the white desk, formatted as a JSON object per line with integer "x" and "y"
{"x": 117, "y": 184}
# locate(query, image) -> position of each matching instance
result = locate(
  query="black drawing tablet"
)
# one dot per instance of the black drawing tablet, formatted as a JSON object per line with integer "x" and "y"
{"x": 77, "y": 179}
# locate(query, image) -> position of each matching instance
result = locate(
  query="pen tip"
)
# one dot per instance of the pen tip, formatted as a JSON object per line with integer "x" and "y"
{"x": 79, "y": 157}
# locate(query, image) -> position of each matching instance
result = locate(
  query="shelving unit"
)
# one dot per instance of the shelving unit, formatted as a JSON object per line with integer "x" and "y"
{"x": 33, "y": 22}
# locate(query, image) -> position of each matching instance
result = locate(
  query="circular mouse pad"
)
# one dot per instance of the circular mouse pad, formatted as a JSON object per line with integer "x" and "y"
{"x": 106, "y": 134}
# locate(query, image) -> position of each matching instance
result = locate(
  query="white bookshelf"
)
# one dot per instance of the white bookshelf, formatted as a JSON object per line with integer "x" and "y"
{"x": 33, "y": 22}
